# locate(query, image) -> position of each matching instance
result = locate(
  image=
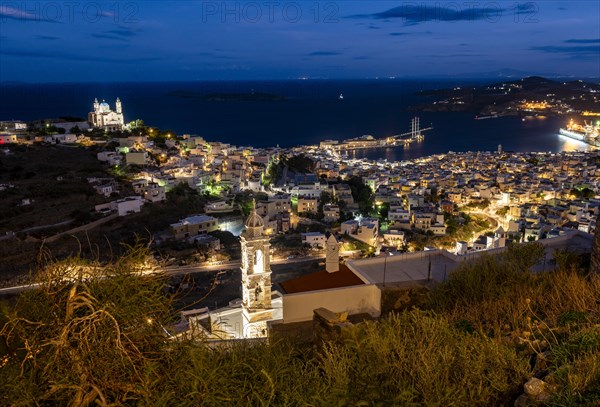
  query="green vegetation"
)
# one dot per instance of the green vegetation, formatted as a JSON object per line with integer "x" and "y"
{"x": 503, "y": 211}
{"x": 460, "y": 227}
{"x": 299, "y": 163}
{"x": 482, "y": 204}
{"x": 273, "y": 173}
{"x": 474, "y": 341}
{"x": 362, "y": 194}
{"x": 584, "y": 192}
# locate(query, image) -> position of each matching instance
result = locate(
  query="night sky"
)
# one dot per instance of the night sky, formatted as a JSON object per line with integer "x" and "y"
{"x": 44, "y": 41}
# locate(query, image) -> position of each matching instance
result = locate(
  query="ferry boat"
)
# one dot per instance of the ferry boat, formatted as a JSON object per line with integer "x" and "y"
{"x": 588, "y": 133}
{"x": 492, "y": 116}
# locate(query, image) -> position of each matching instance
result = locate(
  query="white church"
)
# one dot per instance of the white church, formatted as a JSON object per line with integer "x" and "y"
{"x": 335, "y": 287}
{"x": 104, "y": 118}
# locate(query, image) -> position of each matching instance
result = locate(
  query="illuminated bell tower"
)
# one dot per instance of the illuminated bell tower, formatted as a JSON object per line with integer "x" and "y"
{"x": 256, "y": 278}
{"x": 332, "y": 255}
{"x": 118, "y": 107}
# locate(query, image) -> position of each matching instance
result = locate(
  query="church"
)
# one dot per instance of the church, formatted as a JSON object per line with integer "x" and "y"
{"x": 336, "y": 287}
{"x": 104, "y": 118}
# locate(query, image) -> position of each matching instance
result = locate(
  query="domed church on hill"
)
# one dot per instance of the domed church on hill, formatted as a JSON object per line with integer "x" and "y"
{"x": 104, "y": 118}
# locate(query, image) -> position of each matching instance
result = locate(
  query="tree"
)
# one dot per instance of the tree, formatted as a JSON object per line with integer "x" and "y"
{"x": 362, "y": 194}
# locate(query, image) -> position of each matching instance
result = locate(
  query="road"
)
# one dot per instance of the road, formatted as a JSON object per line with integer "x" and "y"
{"x": 232, "y": 265}
{"x": 493, "y": 221}
{"x": 178, "y": 270}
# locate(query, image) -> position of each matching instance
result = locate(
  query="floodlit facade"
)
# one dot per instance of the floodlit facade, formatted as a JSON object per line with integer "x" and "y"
{"x": 104, "y": 118}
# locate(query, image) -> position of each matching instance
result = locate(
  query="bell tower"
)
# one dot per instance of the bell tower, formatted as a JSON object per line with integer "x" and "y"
{"x": 332, "y": 255}
{"x": 118, "y": 107}
{"x": 256, "y": 278}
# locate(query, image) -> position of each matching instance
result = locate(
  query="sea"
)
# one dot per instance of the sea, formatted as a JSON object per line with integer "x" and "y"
{"x": 311, "y": 111}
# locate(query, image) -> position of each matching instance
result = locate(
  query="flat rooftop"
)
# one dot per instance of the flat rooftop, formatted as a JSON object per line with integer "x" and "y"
{"x": 404, "y": 267}
{"x": 322, "y": 280}
{"x": 407, "y": 267}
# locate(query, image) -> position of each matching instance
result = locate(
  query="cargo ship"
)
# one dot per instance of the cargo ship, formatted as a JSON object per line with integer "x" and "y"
{"x": 587, "y": 133}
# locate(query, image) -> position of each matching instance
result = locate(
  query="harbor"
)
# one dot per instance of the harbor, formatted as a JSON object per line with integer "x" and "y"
{"x": 416, "y": 134}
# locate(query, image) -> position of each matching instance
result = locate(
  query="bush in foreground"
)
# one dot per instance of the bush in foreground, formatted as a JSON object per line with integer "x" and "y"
{"x": 101, "y": 340}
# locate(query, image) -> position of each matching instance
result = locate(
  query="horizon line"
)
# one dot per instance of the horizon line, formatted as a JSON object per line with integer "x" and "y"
{"x": 390, "y": 78}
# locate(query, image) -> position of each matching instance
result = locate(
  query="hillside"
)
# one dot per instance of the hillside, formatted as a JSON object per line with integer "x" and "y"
{"x": 511, "y": 98}
{"x": 481, "y": 338}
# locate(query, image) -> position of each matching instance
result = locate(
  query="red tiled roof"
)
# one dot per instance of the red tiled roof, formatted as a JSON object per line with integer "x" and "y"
{"x": 322, "y": 280}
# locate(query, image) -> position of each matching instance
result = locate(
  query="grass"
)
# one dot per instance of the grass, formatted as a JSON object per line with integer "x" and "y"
{"x": 474, "y": 341}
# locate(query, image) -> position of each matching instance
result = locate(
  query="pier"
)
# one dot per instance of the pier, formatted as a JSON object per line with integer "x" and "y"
{"x": 415, "y": 134}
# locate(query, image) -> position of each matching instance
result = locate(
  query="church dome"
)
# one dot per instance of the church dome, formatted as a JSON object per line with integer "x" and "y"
{"x": 254, "y": 224}
{"x": 254, "y": 220}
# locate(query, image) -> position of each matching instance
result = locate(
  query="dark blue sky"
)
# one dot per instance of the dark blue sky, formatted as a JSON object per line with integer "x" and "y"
{"x": 188, "y": 40}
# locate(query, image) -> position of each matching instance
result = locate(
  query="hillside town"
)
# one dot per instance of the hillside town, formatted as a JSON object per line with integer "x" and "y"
{"x": 462, "y": 202}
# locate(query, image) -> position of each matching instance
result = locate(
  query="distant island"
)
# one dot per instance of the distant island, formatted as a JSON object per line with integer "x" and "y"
{"x": 229, "y": 97}
{"x": 529, "y": 96}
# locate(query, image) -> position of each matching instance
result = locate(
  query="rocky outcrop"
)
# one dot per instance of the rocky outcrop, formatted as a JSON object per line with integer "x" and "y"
{"x": 397, "y": 298}
{"x": 328, "y": 326}
{"x": 537, "y": 392}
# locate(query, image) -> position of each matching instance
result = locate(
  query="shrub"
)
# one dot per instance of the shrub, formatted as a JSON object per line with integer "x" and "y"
{"x": 419, "y": 358}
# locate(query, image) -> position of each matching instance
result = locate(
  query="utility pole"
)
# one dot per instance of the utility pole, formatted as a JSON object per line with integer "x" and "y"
{"x": 384, "y": 267}
{"x": 429, "y": 270}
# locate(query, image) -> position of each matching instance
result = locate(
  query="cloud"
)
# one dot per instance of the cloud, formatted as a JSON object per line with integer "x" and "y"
{"x": 74, "y": 57}
{"x": 323, "y": 54}
{"x": 413, "y": 14}
{"x": 399, "y": 34}
{"x": 47, "y": 37}
{"x": 453, "y": 56}
{"x": 214, "y": 55}
{"x": 12, "y": 13}
{"x": 569, "y": 49}
{"x": 584, "y": 41}
{"x": 119, "y": 34}
{"x": 107, "y": 13}
{"x": 526, "y": 8}
{"x": 109, "y": 37}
